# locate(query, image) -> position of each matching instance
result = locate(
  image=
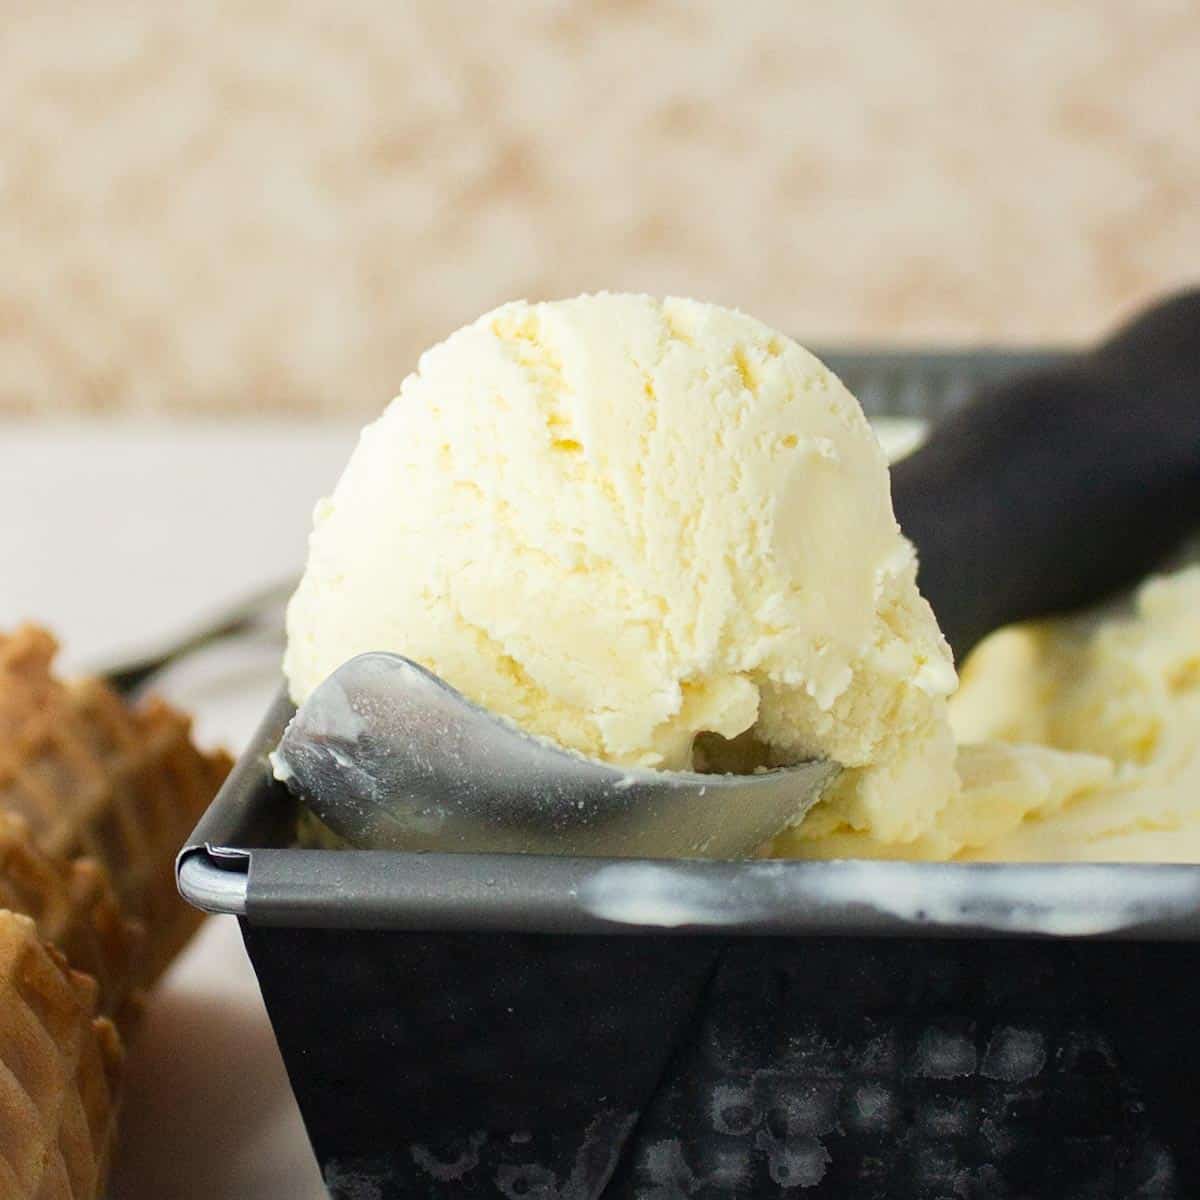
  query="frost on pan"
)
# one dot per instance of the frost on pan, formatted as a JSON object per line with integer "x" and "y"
{"x": 1083, "y": 900}
{"x": 782, "y": 1089}
{"x": 515, "y": 1173}
{"x": 836, "y": 1067}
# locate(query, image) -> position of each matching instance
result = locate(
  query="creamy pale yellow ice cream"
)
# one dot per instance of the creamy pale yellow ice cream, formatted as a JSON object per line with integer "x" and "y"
{"x": 625, "y": 523}
{"x": 1080, "y": 739}
{"x": 1124, "y": 691}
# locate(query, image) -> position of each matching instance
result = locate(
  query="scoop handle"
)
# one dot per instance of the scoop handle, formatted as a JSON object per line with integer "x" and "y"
{"x": 1058, "y": 488}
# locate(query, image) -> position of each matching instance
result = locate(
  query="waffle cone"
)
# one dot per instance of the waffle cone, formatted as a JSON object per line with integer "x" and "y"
{"x": 95, "y": 779}
{"x": 74, "y": 906}
{"x": 59, "y": 1064}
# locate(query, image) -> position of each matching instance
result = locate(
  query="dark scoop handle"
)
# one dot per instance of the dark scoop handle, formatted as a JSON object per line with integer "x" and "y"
{"x": 1060, "y": 487}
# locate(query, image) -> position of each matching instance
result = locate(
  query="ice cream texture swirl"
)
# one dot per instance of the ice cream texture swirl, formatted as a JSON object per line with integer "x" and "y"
{"x": 645, "y": 529}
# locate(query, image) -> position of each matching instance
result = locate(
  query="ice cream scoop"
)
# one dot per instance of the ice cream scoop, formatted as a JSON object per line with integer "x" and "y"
{"x": 389, "y": 755}
{"x": 639, "y": 528}
{"x": 1053, "y": 490}
{"x": 799, "y": 625}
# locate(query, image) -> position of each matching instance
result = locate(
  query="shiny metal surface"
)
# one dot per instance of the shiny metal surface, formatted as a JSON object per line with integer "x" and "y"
{"x": 389, "y": 756}
{"x": 211, "y": 887}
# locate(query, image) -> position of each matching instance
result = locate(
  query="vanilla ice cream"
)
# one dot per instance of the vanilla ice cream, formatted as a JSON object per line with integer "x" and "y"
{"x": 1122, "y": 690}
{"x": 1080, "y": 739}
{"x": 626, "y": 523}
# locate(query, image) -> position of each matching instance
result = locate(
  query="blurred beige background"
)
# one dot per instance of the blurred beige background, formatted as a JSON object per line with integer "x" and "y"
{"x": 262, "y": 206}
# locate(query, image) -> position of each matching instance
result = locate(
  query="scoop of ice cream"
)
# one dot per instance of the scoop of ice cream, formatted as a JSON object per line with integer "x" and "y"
{"x": 627, "y": 523}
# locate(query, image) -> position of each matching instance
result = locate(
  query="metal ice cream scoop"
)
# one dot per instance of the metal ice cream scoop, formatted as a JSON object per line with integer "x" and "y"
{"x": 390, "y": 756}
{"x": 1048, "y": 494}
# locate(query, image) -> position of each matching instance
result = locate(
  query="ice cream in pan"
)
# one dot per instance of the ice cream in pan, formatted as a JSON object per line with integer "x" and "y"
{"x": 662, "y": 536}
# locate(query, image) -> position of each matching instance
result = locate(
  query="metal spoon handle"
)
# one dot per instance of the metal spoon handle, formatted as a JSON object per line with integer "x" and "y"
{"x": 246, "y": 614}
{"x": 1057, "y": 489}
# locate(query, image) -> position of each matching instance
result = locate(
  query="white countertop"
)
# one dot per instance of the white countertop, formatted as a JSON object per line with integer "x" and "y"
{"x": 117, "y": 538}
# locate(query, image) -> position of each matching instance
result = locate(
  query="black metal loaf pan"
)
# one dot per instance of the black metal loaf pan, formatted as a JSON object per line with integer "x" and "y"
{"x": 563, "y": 1029}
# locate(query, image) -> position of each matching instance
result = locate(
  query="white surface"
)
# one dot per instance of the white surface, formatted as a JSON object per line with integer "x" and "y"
{"x": 120, "y": 536}
{"x": 116, "y": 538}
{"x": 208, "y": 1113}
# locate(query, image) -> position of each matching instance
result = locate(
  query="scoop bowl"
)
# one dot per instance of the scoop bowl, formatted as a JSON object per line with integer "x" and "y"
{"x": 390, "y": 756}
